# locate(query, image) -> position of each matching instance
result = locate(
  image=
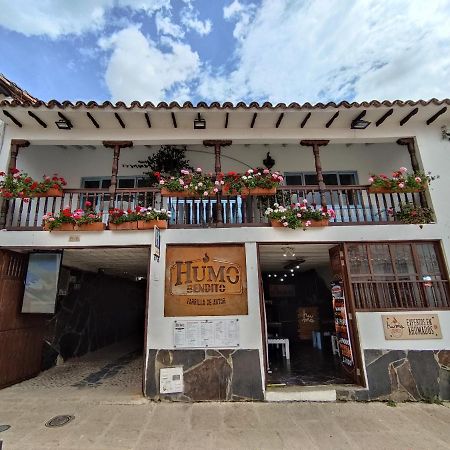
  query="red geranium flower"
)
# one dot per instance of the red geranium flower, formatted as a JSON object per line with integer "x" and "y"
{"x": 13, "y": 171}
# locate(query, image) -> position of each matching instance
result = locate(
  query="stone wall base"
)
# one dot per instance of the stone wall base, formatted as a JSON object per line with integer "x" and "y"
{"x": 221, "y": 375}
{"x": 407, "y": 375}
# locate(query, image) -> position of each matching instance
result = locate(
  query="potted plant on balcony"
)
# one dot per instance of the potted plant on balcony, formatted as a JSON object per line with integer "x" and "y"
{"x": 121, "y": 219}
{"x": 85, "y": 219}
{"x": 400, "y": 181}
{"x": 252, "y": 182}
{"x": 413, "y": 214}
{"x": 299, "y": 215}
{"x": 18, "y": 184}
{"x": 187, "y": 184}
{"x": 149, "y": 218}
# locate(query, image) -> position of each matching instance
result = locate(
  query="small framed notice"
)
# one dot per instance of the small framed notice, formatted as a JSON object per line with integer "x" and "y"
{"x": 417, "y": 326}
{"x": 213, "y": 333}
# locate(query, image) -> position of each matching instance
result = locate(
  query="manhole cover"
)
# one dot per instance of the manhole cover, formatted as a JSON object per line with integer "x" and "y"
{"x": 59, "y": 421}
{"x": 4, "y": 427}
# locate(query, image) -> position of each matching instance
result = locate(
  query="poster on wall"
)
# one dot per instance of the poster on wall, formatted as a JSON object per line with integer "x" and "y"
{"x": 41, "y": 283}
{"x": 205, "y": 281}
{"x": 417, "y": 326}
{"x": 341, "y": 324}
{"x": 218, "y": 333}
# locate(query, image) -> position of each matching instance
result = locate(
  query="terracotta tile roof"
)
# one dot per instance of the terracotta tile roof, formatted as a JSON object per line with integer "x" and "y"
{"x": 54, "y": 104}
{"x": 11, "y": 89}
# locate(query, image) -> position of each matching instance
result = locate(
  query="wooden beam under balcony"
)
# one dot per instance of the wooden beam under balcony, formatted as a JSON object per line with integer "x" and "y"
{"x": 335, "y": 115}
{"x": 280, "y": 118}
{"x": 435, "y": 116}
{"x": 174, "y": 120}
{"x": 253, "y": 120}
{"x": 305, "y": 120}
{"x": 37, "y": 119}
{"x": 227, "y": 115}
{"x": 119, "y": 119}
{"x": 147, "y": 119}
{"x": 91, "y": 118}
{"x": 408, "y": 116}
{"x": 384, "y": 117}
{"x": 8, "y": 114}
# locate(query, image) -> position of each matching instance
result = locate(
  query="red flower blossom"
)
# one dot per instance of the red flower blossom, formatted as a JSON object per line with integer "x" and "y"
{"x": 13, "y": 171}
{"x": 87, "y": 203}
{"x": 2, "y": 174}
{"x": 66, "y": 212}
{"x": 34, "y": 185}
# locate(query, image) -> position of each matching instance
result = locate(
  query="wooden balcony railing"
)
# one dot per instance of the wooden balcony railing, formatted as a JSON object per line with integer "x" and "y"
{"x": 352, "y": 204}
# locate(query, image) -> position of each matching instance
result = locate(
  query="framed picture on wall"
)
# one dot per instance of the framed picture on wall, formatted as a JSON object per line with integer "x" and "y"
{"x": 41, "y": 283}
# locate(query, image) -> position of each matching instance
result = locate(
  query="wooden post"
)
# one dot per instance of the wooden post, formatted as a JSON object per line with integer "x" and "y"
{"x": 217, "y": 144}
{"x": 410, "y": 145}
{"x": 316, "y": 144}
{"x": 116, "y": 145}
{"x": 15, "y": 145}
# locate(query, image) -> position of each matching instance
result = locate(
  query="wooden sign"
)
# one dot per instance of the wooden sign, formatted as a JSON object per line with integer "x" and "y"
{"x": 417, "y": 326}
{"x": 205, "y": 281}
{"x": 308, "y": 320}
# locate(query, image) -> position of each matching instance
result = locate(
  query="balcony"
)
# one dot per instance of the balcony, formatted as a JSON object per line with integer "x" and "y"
{"x": 354, "y": 205}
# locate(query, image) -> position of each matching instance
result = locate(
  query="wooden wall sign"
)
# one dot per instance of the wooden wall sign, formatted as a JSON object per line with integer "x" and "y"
{"x": 308, "y": 320}
{"x": 205, "y": 281}
{"x": 417, "y": 326}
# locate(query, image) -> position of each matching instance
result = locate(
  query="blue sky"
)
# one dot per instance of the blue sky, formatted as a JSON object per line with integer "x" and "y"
{"x": 231, "y": 50}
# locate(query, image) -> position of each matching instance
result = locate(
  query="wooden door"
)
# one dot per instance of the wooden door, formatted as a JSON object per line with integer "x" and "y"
{"x": 21, "y": 335}
{"x": 345, "y": 319}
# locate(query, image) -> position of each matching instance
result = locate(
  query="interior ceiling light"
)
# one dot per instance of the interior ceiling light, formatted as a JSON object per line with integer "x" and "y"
{"x": 288, "y": 251}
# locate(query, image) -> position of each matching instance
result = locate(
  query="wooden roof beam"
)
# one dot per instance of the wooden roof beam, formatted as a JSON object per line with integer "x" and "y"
{"x": 37, "y": 119}
{"x": 147, "y": 119}
{"x": 66, "y": 119}
{"x": 119, "y": 119}
{"x": 408, "y": 116}
{"x": 174, "y": 120}
{"x": 253, "y": 120}
{"x": 91, "y": 118}
{"x": 280, "y": 118}
{"x": 302, "y": 125}
{"x": 10, "y": 116}
{"x": 384, "y": 117}
{"x": 227, "y": 115}
{"x": 335, "y": 115}
{"x": 435, "y": 116}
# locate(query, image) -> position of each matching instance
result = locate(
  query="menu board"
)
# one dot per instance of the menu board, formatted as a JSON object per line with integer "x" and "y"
{"x": 341, "y": 324}
{"x": 308, "y": 320}
{"x": 215, "y": 333}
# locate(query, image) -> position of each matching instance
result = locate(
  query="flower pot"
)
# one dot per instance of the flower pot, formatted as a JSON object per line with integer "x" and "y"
{"x": 149, "y": 225}
{"x": 94, "y": 226}
{"x": 384, "y": 190}
{"x": 184, "y": 194}
{"x": 275, "y": 223}
{"x": 52, "y": 192}
{"x": 62, "y": 227}
{"x": 319, "y": 223}
{"x": 250, "y": 191}
{"x": 123, "y": 226}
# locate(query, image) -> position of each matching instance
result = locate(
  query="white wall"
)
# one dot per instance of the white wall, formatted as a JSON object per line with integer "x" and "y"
{"x": 371, "y": 332}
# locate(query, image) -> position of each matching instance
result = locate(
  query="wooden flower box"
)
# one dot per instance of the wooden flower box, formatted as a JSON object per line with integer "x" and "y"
{"x": 250, "y": 191}
{"x": 94, "y": 226}
{"x": 62, "y": 227}
{"x": 384, "y": 190}
{"x": 275, "y": 223}
{"x": 319, "y": 223}
{"x": 123, "y": 226}
{"x": 150, "y": 224}
{"x": 52, "y": 192}
{"x": 184, "y": 194}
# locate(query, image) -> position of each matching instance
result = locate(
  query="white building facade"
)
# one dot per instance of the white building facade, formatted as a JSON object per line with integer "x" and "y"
{"x": 370, "y": 244}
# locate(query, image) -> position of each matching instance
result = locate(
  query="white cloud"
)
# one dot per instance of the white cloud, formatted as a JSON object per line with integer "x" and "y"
{"x": 190, "y": 19}
{"x": 165, "y": 26}
{"x": 317, "y": 51}
{"x": 138, "y": 70}
{"x": 56, "y": 18}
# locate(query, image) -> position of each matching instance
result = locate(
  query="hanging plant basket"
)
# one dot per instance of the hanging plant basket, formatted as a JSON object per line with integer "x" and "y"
{"x": 52, "y": 192}
{"x": 94, "y": 226}
{"x": 123, "y": 226}
{"x": 250, "y": 191}
{"x": 150, "y": 224}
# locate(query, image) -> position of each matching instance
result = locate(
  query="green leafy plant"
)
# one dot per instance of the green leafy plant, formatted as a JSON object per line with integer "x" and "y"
{"x": 78, "y": 217}
{"x": 412, "y": 214}
{"x": 252, "y": 178}
{"x": 298, "y": 215}
{"x": 196, "y": 183}
{"x": 118, "y": 216}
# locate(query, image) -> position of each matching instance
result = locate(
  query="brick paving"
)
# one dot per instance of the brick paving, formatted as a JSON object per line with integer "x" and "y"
{"x": 102, "y": 391}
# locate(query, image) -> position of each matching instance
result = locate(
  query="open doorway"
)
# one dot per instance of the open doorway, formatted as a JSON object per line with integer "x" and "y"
{"x": 308, "y": 335}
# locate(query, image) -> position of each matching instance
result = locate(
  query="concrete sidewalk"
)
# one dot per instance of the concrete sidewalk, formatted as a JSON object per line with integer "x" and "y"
{"x": 100, "y": 424}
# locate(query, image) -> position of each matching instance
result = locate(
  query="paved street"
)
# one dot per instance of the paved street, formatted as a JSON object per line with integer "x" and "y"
{"x": 102, "y": 391}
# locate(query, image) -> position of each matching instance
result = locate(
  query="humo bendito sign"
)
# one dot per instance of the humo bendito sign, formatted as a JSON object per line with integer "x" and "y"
{"x": 205, "y": 281}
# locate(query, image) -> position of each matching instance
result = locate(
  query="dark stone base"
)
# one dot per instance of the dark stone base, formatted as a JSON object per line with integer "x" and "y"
{"x": 221, "y": 375}
{"x": 408, "y": 375}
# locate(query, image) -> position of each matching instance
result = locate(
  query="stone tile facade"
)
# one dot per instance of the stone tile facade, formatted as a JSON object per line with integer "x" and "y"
{"x": 222, "y": 375}
{"x": 407, "y": 375}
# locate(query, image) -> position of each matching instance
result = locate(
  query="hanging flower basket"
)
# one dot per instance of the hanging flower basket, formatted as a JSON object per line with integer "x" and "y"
{"x": 123, "y": 226}
{"x": 52, "y": 192}
{"x": 150, "y": 224}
